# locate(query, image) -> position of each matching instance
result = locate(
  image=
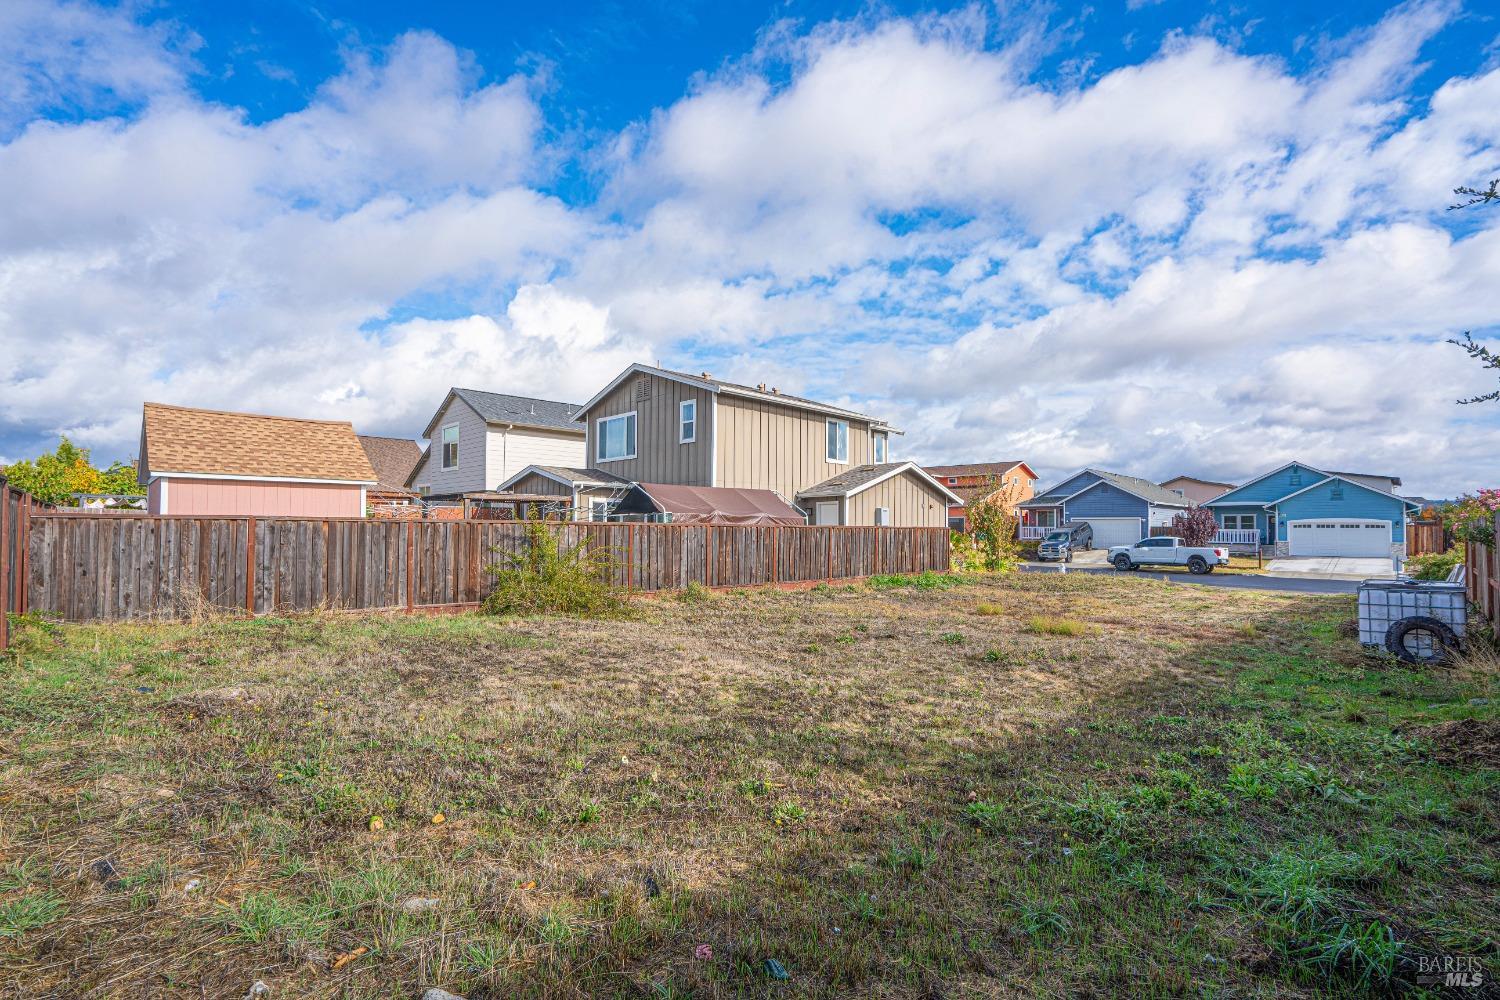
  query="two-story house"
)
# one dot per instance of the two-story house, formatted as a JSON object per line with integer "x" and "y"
{"x": 1012, "y": 482}
{"x": 477, "y": 440}
{"x": 701, "y": 448}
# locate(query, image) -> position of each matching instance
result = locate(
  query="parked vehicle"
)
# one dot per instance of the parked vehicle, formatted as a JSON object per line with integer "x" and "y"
{"x": 1060, "y": 543}
{"x": 1168, "y": 551}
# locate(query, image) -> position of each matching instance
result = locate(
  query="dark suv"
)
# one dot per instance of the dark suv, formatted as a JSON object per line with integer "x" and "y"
{"x": 1059, "y": 544}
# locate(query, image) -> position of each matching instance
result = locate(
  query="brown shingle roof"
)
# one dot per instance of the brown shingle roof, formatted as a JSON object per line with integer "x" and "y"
{"x": 393, "y": 459}
{"x": 972, "y": 469}
{"x": 215, "y": 442}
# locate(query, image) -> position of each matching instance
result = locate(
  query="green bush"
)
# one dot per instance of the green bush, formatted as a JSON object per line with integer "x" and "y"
{"x": 544, "y": 579}
{"x": 1435, "y": 565}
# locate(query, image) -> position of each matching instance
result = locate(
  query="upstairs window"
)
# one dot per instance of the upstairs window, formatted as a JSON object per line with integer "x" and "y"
{"x": 838, "y": 440}
{"x": 687, "y": 421}
{"x": 881, "y": 449}
{"x": 450, "y": 446}
{"x": 616, "y": 437}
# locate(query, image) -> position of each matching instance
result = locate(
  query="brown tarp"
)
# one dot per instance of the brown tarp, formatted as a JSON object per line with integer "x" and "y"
{"x": 721, "y": 505}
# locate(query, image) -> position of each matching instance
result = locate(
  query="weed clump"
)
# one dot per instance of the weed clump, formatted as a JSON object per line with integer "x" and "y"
{"x": 544, "y": 578}
{"x": 1049, "y": 625}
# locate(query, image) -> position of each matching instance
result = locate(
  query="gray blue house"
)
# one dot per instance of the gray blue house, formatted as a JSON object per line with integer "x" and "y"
{"x": 1302, "y": 511}
{"x": 1121, "y": 509}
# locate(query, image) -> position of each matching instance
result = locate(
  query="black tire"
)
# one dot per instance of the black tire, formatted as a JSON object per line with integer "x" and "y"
{"x": 1442, "y": 643}
{"x": 1197, "y": 565}
{"x": 1122, "y": 562}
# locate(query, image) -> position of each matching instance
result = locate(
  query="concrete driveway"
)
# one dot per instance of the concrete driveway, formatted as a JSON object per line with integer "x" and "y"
{"x": 1330, "y": 567}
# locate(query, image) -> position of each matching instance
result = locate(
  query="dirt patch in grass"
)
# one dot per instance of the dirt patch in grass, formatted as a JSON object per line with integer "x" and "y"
{"x": 1473, "y": 743}
{"x": 881, "y": 788}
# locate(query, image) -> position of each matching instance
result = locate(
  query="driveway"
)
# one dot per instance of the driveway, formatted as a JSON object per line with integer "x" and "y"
{"x": 1330, "y": 567}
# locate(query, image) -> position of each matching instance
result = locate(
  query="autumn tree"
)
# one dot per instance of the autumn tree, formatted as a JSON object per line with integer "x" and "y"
{"x": 1196, "y": 527}
{"x": 54, "y": 477}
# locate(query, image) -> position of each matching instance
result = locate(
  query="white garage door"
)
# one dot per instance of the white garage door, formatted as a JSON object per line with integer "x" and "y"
{"x": 1115, "y": 531}
{"x": 1336, "y": 537}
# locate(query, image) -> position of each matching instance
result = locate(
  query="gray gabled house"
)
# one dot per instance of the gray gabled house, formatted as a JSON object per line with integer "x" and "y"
{"x": 478, "y": 440}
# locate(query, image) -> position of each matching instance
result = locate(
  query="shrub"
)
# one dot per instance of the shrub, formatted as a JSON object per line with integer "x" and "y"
{"x": 1196, "y": 527}
{"x": 990, "y": 546}
{"x": 545, "y": 579}
{"x": 1434, "y": 565}
{"x": 989, "y": 610}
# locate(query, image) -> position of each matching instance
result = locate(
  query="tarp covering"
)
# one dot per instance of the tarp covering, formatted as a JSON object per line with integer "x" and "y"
{"x": 720, "y": 505}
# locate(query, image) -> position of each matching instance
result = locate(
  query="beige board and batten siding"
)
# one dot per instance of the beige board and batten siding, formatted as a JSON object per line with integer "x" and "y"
{"x": 473, "y": 444}
{"x": 912, "y": 502}
{"x": 769, "y": 446}
{"x": 536, "y": 483}
{"x": 660, "y": 458}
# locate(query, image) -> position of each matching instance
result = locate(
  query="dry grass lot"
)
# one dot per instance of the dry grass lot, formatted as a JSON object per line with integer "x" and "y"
{"x": 1032, "y": 785}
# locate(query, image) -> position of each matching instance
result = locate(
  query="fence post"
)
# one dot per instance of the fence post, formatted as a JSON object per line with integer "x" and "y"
{"x": 830, "y": 556}
{"x": 411, "y": 567}
{"x": 5, "y": 567}
{"x": 630, "y": 555}
{"x": 23, "y": 556}
{"x": 250, "y": 565}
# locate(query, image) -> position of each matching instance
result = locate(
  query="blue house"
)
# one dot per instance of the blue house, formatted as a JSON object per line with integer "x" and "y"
{"x": 1302, "y": 511}
{"x": 1121, "y": 509}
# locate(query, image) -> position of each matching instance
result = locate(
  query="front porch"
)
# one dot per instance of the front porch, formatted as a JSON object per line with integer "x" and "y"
{"x": 1037, "y": 521}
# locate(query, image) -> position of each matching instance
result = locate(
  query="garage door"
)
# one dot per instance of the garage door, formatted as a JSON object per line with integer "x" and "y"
{"x": 1115, "y": 531}
{"x": 1339, "y": 538}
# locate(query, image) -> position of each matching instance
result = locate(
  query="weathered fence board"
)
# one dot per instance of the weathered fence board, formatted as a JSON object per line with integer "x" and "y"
{"x": 1483, "y": 581}
{"x": 140, "y": 566}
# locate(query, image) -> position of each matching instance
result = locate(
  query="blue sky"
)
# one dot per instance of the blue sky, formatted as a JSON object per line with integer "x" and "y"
{"x": 1153, "y": 237}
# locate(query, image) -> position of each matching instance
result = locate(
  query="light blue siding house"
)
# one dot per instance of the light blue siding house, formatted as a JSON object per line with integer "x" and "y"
{"x": 1121, "y": 509}
{"x": 1299, "y": 510}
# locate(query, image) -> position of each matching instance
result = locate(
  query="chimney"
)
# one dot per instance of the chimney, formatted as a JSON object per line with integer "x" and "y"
{"x": 775, "y": 391}
{"x": 707, "y": 375}
{"x": 761, "y": 387}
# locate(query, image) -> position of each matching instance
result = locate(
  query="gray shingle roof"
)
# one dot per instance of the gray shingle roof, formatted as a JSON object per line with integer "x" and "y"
{"x": 849, "y": 479}
{"x": 581, "y": 475}
{"x": 498, "y": 407}
{"x": 1143, "y": 488}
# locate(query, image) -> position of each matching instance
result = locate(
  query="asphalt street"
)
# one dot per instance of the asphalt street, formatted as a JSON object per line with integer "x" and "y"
{"x": 1246, "y": 582}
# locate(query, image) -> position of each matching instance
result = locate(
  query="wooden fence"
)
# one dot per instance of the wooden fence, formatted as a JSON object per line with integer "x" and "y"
{"x": 1483, "y": 581}
{"x": 1426, "y": 537}
{"x": 15, "y": 515}
{"x": 136, "y": 566}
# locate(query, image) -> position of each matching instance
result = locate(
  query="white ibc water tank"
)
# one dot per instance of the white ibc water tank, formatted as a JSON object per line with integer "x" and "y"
{"x": 1382, "y": 603}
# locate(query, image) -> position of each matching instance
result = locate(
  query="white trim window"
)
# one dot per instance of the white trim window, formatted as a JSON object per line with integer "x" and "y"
{"x": 1239, "y": 521}
{"x": 838, "y": 441}
{"x": 616, "y": 437}
{"x": 450, "y": 446}
{"x": 882, "y": 517}
{"x": 881, "y": 447}
{"x": 687, "y": 421}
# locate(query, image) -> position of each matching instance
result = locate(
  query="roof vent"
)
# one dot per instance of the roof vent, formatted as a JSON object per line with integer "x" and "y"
{"x": 706, "y": 375}
{"x": 775, "y": 391}
{"x": 761, "y": 387}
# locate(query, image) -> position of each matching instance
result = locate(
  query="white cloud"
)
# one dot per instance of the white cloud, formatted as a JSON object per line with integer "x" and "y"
{"x": 1204, "y": 262}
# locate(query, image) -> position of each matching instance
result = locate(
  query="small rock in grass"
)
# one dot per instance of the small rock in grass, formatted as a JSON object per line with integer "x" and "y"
{"x": 191, "y": 886}
{"x": 108, "y": 875}
{"x": 1479, "y": 701}
{"x": 775, "y": 969}
{"x": 433, "y": 993}
{"x": 418, "y": 904}
{"x": 257, "y": 990}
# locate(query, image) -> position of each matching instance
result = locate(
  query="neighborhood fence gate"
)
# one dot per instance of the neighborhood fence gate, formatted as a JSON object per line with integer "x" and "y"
{"x": 139, "y": 566}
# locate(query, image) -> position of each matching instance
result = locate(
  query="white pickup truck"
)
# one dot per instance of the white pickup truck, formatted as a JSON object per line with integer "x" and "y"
{"x": 1167, "y": 551}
